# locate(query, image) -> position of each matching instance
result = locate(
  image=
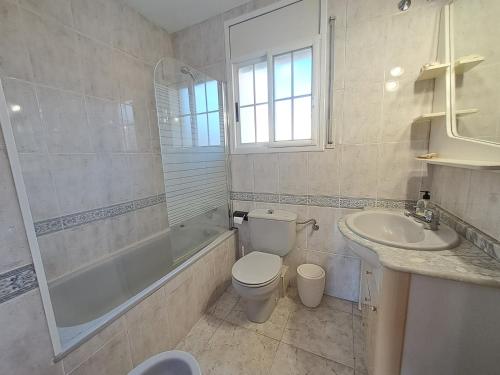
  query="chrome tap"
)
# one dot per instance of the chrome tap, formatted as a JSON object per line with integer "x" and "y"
{"x": 429, "y": 217}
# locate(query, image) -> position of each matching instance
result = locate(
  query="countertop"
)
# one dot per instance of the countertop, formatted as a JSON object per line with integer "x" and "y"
{"x": 465, "y": 263}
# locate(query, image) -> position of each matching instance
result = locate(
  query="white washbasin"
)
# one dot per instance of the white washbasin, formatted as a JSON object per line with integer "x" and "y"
{"x": 396, "y": 230}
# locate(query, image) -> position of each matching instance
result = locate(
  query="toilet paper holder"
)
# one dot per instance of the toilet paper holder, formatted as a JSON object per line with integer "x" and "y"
{"x": 240, "y": 216}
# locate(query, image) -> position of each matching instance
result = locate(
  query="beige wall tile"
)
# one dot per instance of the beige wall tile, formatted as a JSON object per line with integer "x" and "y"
{"x": 242, "y": 173}
{"x": 26, "y": 123}
{"x": 40, "y": 186}
{"x": 89, "y": 348}
{"x": 323, "y": 172}
{"x": 265, "y": 167}
{"x": 400, "y": 175}
{"x": 53, "y": 52}
{"x": 358, "y": 173}
{"x": 113, "y": 358}
{"x": 483, "y": 202}
{"x": 25, "y": 346}
{"x": 362, "y": 119}
{"x": 98, "y": 68}
{"x": 14, "y": 58}
{"x": 59, "y": 9}
{"x": 14, "y": 251}
{"x": 293, "y": 173}
{"x": 94, "y": 18}
{"x": 147, "y": 328}
{"x": 65, "y": 121}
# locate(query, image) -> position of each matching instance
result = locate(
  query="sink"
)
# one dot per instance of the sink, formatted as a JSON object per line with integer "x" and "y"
{"x": 396, "y": 230}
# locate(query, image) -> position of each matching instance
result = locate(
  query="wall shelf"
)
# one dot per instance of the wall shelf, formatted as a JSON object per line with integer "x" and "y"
{"x": 430, "y": 116}
{"x": 468, "y": 164}
{"x": 432, "y": 71}
{"x": 466, "y": 63}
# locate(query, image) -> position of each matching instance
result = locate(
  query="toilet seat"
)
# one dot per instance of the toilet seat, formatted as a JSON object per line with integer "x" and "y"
{"x": 257, "y": 269}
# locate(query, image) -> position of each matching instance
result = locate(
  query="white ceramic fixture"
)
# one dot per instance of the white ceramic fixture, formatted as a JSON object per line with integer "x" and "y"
{"x": 257, "y": 275}
{"x": 174, "y": 362}
{"x": 311, "y": 284}
{"x": 396, "y": 230}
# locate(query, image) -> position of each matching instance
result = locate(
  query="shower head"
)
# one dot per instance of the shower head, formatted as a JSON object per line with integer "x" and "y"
{"x": 187, "y": 71}
{"x": 404, "y": 5}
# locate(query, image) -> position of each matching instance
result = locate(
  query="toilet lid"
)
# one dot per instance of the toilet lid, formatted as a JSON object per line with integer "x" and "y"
{"x": 257, "y": 268}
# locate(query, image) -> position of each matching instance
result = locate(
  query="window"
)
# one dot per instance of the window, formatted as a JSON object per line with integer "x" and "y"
{"x": 275, "y": 102}
{"x": 293, "y": 95}
{"x": 276, "y": 67}
{"x": 253, "y": 103}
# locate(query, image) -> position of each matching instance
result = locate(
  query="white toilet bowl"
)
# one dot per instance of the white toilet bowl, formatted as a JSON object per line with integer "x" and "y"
{"x": 256, "y": 278}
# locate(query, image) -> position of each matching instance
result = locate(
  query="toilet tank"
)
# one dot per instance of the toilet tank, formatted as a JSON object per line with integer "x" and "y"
{"x": 272, "y": 231}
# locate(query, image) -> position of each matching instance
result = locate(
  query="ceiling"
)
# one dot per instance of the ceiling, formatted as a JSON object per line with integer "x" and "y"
{"x": 175, "y": 15}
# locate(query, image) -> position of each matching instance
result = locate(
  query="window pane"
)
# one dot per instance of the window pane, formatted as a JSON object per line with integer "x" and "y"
{"x": 184, "y": 101}
{"x": 245, "y": 83}
{"x": 199, "y": 95}
{"x": 202, "y": 130}
{"x": 302, "y": 118}
{"x": 247, "y": 125}
{"x": 262, "y": 122}
{"x": 187, "y": 137}
{"x": 302, "y": 72}
{"x": 283, "y": 76}
{"x": 212, "y": 96}
{"x": 283, "y": 120}
{"x": 261, "y": 82}
{"x": 214, "y": 128}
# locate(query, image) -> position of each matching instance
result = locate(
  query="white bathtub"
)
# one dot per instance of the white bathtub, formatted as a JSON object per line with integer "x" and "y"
{"x": 93, "y": 296}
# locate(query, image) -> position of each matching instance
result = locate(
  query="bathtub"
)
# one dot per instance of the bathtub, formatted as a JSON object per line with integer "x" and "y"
{"x": 95, "y": 295}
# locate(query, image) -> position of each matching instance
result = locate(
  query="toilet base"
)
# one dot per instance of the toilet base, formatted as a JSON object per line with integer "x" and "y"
{"x": 259, "y": 311}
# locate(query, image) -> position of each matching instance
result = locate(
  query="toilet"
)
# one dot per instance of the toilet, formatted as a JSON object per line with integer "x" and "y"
{"x": 256, "y": 277}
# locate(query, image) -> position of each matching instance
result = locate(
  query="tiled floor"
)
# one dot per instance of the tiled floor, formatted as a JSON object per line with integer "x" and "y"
{"x": 296, "y": 340}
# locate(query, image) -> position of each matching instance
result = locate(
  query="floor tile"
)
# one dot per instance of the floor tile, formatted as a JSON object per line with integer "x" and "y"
{"x": 293, "y": 361}
{"x": 322, "y": 331}
{"x": 359, "y": 346}
{"x": 224, "y": 305}
{"x": 233, "y": 350}
{"x": 337, "y": 304}
{"x": 197, "y": 339}
{"x": 272, "y": 328}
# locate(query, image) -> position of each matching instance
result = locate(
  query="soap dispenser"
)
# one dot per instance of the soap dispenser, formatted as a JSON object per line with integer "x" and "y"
{"x": 423, "y": 203}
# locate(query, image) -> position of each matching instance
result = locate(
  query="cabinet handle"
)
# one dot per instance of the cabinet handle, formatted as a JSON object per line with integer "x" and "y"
{"x": 373, "y": 308}
{"x": 369, "y": 272}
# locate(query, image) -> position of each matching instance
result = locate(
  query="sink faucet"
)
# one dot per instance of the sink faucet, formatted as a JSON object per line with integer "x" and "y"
{"x": 430, "y": 217}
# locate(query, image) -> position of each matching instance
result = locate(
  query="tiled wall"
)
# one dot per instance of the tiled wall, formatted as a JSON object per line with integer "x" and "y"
{"x": 473, "y": 196}
{"x": 156, "y": 324}
{"x": 87, "y": 135}
{"x": 374, "y": 158}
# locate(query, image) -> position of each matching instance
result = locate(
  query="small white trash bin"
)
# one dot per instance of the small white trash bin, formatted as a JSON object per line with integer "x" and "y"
{"x": 311, "y": 284}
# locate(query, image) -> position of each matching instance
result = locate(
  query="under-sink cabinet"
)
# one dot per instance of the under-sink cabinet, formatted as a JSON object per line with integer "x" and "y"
{"x": 416, "y": 325}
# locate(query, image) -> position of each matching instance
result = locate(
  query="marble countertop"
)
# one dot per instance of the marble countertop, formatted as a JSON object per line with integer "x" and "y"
{"x": 465, "y": 263}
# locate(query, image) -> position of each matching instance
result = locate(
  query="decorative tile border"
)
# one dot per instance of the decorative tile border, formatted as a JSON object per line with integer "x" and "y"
{"x": 320, "y": 200}
{"x": 80, "y": 218}
{"x": 17, "y": 282}
{"x": 481, "y": 240}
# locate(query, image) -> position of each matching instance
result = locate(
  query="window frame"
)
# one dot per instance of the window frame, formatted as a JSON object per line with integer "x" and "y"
{"x": 319, "y": 120}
